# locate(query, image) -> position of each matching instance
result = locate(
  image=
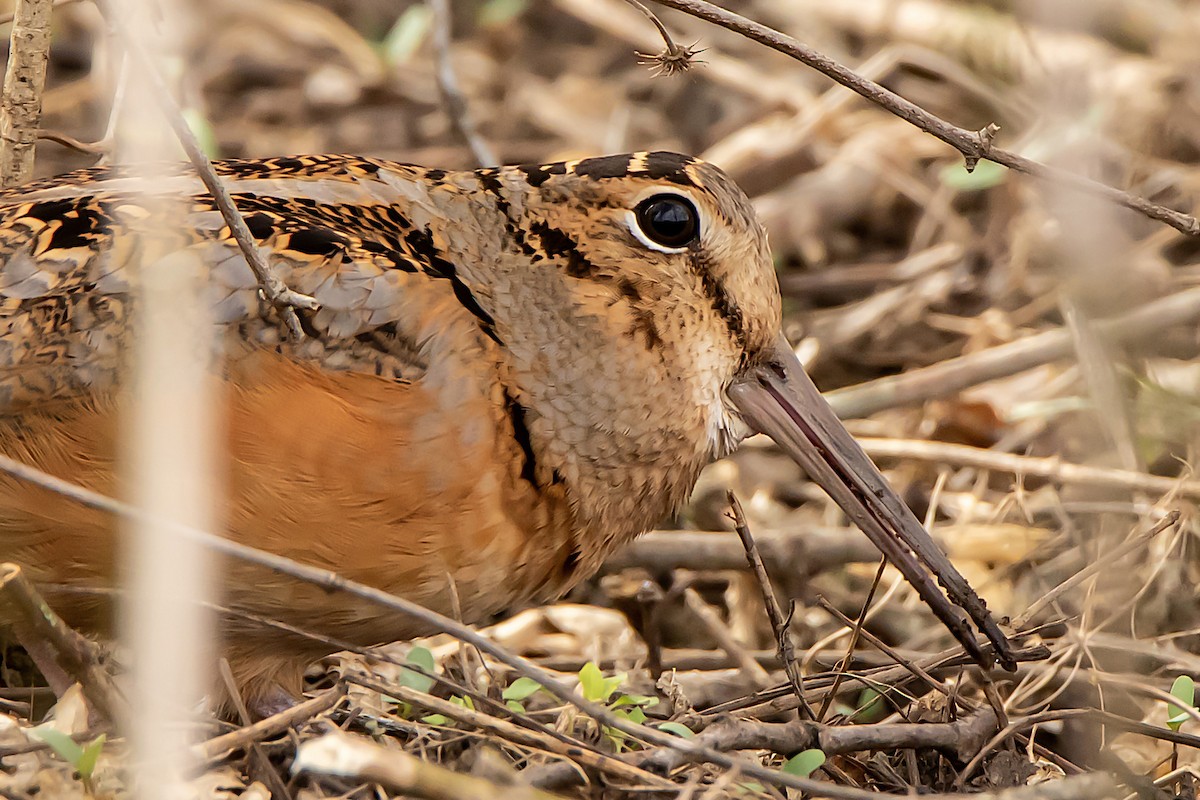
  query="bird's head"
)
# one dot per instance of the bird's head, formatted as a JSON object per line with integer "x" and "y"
{"x": 639, "y": 306}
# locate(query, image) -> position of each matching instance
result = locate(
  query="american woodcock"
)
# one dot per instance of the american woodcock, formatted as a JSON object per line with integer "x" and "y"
{"x": 512, "y": 372}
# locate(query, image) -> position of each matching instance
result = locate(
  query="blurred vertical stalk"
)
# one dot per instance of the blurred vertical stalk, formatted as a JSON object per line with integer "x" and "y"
{"x": 24, "y": 80}
{"x": 168, "y": 429}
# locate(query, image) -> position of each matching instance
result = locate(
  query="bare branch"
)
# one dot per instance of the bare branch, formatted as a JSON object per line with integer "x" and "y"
{"x": 974, "y": 145}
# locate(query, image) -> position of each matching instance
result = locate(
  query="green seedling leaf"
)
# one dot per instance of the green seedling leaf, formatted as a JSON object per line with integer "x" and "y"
{"x": 635, "y": 700}
{"x": 435, "y": 719}
{"x": 464, "y": 702}
{"x": 612, "y": 684}
{"x": 1183, "y": 690}
{"x": 595, "y": 686}
{"x": 591, "y": 681}
{"x": 62, "y": 744}
{"x": 423, "y": 658}
{"x": 871, "y": 707}
{"x": 515, "y": 707}
{"x": 633, "y": 714}
{"x": 804, "y": 764}
{"x": 677, "y": 729}
{"x": 521, "y": 689}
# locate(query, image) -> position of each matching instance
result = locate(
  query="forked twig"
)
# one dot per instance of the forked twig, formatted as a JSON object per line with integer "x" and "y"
{"x": 220, "y": 746}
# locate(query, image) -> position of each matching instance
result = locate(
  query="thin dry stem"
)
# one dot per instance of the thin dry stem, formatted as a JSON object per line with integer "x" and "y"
{"x": 1050, "y": 467}
{"x": 522, "y": 736}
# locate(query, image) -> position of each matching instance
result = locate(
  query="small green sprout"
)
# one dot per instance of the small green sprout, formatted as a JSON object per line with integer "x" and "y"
{"x": 1183, "y": 690}
{"x": 804, "y": 763}
{"x": 599, "y": 689}
{"x": 82, "y": 759}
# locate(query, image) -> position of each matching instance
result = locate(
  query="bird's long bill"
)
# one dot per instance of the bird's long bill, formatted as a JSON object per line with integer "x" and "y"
{"x": 780, "y": 400}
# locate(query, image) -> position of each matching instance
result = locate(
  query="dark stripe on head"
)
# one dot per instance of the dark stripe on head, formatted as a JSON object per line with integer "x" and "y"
{"x": 726, "y": 309}
{"x": 663, "y": 166}
{"x": 606, "y": 167}
{"x": 421, "y": 242}
{"x": 516, "y": 414}
{"x": 557, "y": 244}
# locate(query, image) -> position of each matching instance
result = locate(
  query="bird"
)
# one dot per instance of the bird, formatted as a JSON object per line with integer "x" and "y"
{"x": 511, "y": 372}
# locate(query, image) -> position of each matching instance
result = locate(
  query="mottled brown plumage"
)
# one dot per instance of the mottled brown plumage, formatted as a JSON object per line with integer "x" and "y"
{"x": 507, "y": 376}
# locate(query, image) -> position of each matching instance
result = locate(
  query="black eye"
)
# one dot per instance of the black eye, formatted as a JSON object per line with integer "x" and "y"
{"x": 668, "y": 220}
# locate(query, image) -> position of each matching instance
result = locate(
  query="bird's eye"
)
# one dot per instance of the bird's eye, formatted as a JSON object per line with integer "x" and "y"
{"x": 668, "y": 220}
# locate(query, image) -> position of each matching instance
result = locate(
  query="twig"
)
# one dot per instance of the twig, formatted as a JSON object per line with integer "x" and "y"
{"x": 221, "y": 746}
{"x": 962, "y": 738}
{"x": 356, "y": 757}
{"x": 779, "y": 624}
{"x": 974, "y": 145}
{"x": 283, "y": 299}
{"x": 97, "y": 148}
{"x": 447, "y": 81}
{"x": 955, "y": 374}
{"x": 1051, "y": 467}
{"x": 24, "y": 81}
{"x": 851, "y": 645}
{"x": 331, "y": 581}
{"x": 34, "y": 621}
{"x": 778, "y": 700}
